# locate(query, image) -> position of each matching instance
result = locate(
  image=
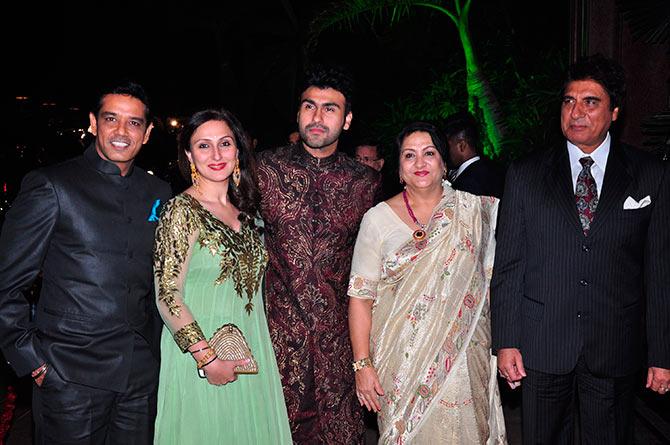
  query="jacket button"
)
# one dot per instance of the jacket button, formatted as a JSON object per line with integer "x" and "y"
{"x": 585, "y": 248}
{"x": 583, "y": 282}
{"x": 579, "y": 315}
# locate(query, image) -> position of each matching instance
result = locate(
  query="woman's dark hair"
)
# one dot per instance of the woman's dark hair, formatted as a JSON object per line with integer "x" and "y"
{"x": 435, "y": 134}
{"x": 246, "y": 196}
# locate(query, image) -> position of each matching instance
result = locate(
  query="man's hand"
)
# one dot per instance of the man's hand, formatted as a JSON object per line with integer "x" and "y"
{"x": 510, "y": 365}
{"x": 658, "y": 379}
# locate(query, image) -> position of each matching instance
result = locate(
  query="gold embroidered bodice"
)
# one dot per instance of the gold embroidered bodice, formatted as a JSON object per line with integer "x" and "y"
{"x": 242, "y": 258}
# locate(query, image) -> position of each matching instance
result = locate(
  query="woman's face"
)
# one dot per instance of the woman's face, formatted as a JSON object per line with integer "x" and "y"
{"x": 421, "y": 165}
{"x": 213, "y": 151}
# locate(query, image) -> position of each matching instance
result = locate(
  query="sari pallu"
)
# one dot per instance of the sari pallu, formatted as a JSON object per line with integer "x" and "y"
{"x": 430, "y": 338}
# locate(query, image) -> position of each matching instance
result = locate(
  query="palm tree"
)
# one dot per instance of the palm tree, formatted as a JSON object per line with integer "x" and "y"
{"x": 481, "y": 100}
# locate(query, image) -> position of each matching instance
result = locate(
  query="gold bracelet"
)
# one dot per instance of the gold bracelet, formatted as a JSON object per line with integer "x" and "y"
{"x": 362, "y": 363}
{"x": 199, "y": 350}
{"x": 203, "y": 360}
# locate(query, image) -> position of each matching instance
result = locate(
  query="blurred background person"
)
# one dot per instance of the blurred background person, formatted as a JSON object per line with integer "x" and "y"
{"x": 369, "y": 153}
{"x": 294, "y": 137}
{"x": 470, "y": 171}
{"x": 419, "y": 309}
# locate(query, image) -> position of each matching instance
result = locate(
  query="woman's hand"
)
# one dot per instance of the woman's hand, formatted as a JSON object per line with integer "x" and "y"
{"x": 368, "y": 388}
{"x": 220, "y": 372}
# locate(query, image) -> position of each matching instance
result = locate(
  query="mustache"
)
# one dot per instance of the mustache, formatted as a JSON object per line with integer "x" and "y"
{"x": 122, "y": 139}
{"x": 319, "y": 126}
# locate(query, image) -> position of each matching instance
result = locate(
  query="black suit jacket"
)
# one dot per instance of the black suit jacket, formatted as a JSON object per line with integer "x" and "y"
{"x": 556, "y": 294}
{"x": 482, "y": 177}
{"x": 89, "y": 231}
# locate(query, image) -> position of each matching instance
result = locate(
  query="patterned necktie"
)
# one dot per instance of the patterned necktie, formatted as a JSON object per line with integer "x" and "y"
{"x": 586, "y": 194}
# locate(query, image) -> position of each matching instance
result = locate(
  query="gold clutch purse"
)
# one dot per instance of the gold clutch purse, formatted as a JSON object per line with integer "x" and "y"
{"x": 229, "y": 344}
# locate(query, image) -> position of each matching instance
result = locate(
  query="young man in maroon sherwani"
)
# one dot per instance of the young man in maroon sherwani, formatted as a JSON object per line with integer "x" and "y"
{"x": 313, "y": 199}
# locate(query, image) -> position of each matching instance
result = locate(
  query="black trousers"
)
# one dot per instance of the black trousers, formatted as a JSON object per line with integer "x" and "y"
{"x": 550, "y": 403}
{"x": 73, "y": 414}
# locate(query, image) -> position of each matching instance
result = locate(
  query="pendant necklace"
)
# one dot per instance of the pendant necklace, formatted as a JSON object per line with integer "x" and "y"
{"x": 420, "y": 233}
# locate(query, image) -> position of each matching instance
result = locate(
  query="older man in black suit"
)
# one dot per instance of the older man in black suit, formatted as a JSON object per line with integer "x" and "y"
{"x": 87, "y": 225}
{"x": 582, "y": 253}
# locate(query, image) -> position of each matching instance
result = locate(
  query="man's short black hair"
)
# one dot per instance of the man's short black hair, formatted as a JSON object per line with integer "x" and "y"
{"x": 465, "y": 126}
{"x": 607, "y": 72}
{"x": 330, "y": 76}
{"x": 126, "y": 88}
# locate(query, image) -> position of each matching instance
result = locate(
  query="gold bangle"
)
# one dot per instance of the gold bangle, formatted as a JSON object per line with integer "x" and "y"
{"x": 203, "y": 360}
{"x": 199, "y": 350}
{"x": 362, "y": 363}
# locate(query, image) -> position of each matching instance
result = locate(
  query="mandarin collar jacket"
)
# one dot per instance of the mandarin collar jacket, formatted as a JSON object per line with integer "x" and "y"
{"x": 89, "y": 232}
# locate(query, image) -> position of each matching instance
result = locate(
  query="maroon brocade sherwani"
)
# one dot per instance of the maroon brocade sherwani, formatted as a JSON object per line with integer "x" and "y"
{"x": 312, "y": 208}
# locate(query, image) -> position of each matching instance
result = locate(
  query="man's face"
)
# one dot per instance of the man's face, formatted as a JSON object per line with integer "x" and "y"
{"x": 294, "y": 137}
{"x": 457, "y": 151}
{"x": 120, "y": 129}
{"x": 367, "y": 154}
{"x": 586, "y": 115}
{"x": 321, "y": 117}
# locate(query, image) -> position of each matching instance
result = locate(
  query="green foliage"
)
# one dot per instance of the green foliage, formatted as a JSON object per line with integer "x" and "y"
{"x": 521, "y": 115}
{"x": 481, "y": 99}
{"x": 529, "y": 98}
{"x": 434, "y": 102}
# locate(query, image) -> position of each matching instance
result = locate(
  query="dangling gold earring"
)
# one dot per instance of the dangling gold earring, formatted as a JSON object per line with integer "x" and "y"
{"x": 236, "y": 173}
{"x": 402, "y": 181}
{"x": 195, "y": 176}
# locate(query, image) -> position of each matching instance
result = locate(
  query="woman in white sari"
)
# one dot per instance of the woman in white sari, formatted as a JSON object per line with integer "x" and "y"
{"x": 419, "y": 309}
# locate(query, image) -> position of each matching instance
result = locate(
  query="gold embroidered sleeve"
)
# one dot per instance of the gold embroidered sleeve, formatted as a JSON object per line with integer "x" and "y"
{"x": 176, "y": 234}
{"x": 188, "y": 335}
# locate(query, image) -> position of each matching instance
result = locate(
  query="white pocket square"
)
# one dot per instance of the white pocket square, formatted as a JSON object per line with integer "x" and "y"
{"x": 631, "y": 204}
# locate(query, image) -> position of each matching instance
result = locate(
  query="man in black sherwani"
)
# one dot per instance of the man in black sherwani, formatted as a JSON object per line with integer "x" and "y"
{"x": 87, "y": 225}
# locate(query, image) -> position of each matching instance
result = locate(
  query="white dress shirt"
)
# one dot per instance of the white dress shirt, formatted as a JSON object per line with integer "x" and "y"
{"x": 463, "y": 166}
{"x": 599, "y": 156}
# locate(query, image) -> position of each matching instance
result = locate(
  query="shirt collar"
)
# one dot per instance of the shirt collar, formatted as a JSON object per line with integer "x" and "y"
{"x": 599, "y": 155}
{"x": 103, "y": 165}
{"x": 465, "y": 165}
{"x": 306, "y": 157}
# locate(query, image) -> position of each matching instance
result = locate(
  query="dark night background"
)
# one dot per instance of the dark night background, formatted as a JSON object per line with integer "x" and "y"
{"x": 248, "y": 56}
{"x": 245, "y": 56}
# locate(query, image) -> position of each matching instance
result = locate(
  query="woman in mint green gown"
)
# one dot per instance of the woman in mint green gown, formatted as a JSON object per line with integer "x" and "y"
{"x": 209, "y": 261}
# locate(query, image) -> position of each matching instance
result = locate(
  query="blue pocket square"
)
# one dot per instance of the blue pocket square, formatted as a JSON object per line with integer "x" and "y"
{"x": 154, "y": 210}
